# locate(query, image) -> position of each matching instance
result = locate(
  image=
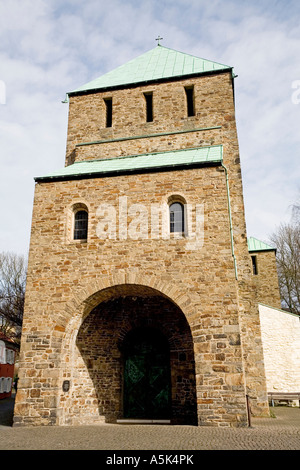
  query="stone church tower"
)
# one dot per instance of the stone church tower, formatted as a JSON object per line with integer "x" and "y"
{"x": 140, "y": 302}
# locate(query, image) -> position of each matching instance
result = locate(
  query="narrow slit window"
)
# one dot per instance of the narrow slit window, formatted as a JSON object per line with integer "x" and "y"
{"x": 108, "y": 104}
{"x": 80, "y": 225}
{"x": 254, "y": 265}
{"x": 176, "y": 217}
{"x": 189, "y": 91}
{"x": 149, "y": 106}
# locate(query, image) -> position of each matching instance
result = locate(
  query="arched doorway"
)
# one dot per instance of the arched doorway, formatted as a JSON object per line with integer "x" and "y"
{"x": 147, "y": 377}
{"x": 135, "y": 342}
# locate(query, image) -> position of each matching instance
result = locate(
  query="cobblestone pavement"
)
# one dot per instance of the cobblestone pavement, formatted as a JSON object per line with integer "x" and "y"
{"x": 279, "y": 433}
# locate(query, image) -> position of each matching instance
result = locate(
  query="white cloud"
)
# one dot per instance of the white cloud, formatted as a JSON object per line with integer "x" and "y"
{"x": 50, "y": 48}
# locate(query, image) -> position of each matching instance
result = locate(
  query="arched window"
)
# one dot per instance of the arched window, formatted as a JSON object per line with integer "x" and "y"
{"x": 176, "y": 217}
{"x": 80, "y": 225}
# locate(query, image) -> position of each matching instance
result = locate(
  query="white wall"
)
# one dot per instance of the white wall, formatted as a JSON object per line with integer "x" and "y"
{"x": 281, "y": 344}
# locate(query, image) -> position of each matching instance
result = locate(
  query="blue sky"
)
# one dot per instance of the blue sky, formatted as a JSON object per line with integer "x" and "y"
{"x": 50, "y": 47}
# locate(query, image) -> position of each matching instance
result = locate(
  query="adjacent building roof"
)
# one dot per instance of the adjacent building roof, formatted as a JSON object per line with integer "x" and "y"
{"x": 257, "y": 245}
{"x": 8, "y": 340}
{"x": 184, "y": 158}
{"x": 157, "y": 64}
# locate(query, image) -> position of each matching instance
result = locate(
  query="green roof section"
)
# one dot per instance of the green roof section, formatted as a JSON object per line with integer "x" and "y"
{"x": 157, "y": 64}
{"x": 257, "y": 245}
{"x": 137, "y": 163}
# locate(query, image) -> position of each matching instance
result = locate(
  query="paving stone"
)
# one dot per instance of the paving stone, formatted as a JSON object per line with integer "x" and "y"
{"x": 279, "y": 433}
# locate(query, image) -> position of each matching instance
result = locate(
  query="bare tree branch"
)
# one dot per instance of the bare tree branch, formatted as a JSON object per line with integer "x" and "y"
{"x": 287, "y": 242}
{"x": 12, "y": 293}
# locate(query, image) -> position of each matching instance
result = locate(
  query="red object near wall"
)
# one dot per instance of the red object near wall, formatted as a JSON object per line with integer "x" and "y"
{"x": 7, "y": 365}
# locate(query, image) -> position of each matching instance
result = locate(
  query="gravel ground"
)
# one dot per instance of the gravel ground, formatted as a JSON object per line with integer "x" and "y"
{"x": 279, "y": 433}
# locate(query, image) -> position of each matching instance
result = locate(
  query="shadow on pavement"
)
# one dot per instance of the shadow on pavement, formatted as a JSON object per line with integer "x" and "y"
{"x": 7, "y": 411}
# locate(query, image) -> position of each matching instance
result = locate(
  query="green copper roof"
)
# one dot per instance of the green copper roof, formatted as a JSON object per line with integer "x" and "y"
{"x": 156, "y": 64}
{"x": 257, "y": 245}
{"x": 134, "y": 163}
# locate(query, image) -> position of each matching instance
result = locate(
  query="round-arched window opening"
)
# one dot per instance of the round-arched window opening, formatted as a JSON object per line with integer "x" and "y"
{"x": 80, "y": 225}
{"x": 176, "y": 210}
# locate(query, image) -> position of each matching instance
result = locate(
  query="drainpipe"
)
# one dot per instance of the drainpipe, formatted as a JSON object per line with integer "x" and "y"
{"x": 230, "y": 220}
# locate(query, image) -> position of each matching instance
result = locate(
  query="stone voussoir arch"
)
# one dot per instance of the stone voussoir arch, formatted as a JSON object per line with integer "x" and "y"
{"x": 78, "y": 309}
{"x": 100, "y": 290}
{"x": 118, "y": 284}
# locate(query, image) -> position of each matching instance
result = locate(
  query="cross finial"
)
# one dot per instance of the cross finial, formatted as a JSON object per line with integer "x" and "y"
{"x": 158, "y": 39}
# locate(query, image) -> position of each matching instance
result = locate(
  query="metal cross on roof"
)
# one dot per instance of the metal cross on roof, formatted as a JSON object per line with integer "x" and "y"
{"x": 158, "y": 39}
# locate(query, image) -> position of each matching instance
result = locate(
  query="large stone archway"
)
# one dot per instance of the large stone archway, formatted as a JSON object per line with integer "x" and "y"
{"x": 79, "y": 355}
{"x": 96, "y": 391}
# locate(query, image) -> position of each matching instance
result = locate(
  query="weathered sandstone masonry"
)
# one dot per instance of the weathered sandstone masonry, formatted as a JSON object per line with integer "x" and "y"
{"x": 87, "y": 119}
{"x": 266, "y": 278}
{"x": 193, "y": 300}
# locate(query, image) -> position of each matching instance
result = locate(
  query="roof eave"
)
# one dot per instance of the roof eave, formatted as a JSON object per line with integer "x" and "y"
{"x": 149, "y": 82}
{"x": 259, "y": 250}
{"x": 155, "y": 169}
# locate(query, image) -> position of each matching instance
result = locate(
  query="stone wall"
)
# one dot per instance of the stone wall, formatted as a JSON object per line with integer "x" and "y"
{"x": 67, "y": 279}
{"x": 213, "y": 108}
{"x": 60, "y": 268}
{"x": 266, "y": 279}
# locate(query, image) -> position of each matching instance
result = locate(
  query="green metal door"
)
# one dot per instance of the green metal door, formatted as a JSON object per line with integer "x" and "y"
{"x": 146, "y": 375}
